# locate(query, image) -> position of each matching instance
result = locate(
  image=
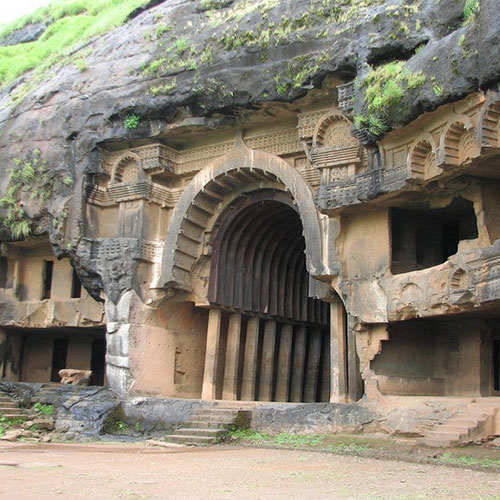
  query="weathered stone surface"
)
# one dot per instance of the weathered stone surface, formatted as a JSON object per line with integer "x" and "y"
{"x": 29, "y": 33}
{"x": 160, "y": 414}
{"x": 81, "y": 110}
{"x": 85, "y": 412}
{"x": 312, "y": 418}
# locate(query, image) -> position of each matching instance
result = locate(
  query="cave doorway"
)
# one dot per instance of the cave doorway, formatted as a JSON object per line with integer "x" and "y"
{"x": 267, "y": 339}
{"x": 38, "y": 354}
{"x": 423, "y": 237}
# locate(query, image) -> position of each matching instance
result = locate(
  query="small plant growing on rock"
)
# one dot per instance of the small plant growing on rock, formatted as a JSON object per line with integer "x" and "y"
{"x": 131, "y": 122}
{"x": 45, "y": 409}
{"x": 30, "y": 175}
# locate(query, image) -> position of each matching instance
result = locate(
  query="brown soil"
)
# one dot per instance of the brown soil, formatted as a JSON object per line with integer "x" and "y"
{"x": 108, "y": 471}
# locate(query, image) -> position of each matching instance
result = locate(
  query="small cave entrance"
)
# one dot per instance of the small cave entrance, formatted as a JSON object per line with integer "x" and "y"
{"x": 37, "y": 354}
{"x": 274, "y": 340}
{"x": 423, "y": 238}
{"x": 457, "y": 356}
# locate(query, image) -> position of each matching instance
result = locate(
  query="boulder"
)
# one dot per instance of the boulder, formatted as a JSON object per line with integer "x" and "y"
{"x": 75, "y": 377}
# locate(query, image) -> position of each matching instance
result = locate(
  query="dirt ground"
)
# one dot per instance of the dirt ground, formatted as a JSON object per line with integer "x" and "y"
{"x": 113, "y": 470}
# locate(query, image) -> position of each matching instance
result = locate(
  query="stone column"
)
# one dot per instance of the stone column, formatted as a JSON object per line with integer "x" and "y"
{"x": 312, "y": 372}
{"x": 209, "y": 389}
{"x": 284, "y": 363}
{"x": 250, "y": 360}
{"x": 298, "y": 365}
{"x": 230, "y": 386}
{"x": 267, "y": 362}
{"x": 354, "y": 384}
{"x": 118, "y": 327}
{"x": 325, "y": 376}
{"x": 3, "y": 349}
{"x": 338, "y": 373}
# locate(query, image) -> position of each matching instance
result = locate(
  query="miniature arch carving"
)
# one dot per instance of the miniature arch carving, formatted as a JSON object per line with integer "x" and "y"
{"x": 458, "y": 142}
{"x": 422, "y": 157}
{"x": 127, "y": 169}
{"x": 334, "y": 129}
{"x": 192, "y": 215}
{"x": 489, "y": 122}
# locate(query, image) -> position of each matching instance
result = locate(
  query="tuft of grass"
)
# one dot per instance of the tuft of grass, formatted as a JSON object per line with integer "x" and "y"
{"x": 131, "y": 122}
{"x": 470, "y": 461}
{"x": 471, "y": 9}
{"x": 71, "y": 22}
{"x": 384, "y": 90}
{"x": 45, "y": 409}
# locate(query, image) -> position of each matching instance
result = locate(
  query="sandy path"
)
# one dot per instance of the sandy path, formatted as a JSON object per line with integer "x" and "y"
{"x": 108, "y": 471}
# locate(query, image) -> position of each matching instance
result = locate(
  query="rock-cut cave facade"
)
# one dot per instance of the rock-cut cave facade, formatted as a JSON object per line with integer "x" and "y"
{"x": 281, "y": 261}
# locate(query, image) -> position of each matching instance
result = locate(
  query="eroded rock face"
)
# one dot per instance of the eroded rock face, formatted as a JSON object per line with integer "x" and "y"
{"x": 143, "y": 68}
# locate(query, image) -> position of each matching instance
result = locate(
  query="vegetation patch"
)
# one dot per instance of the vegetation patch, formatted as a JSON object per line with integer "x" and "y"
{"x": 131, "y": 122}
{"x": 471, "y": 9}
{"x": 70, "y": 23}
{"x": 32, "y": 177}
{"x": 383, "y": 90}
{"x": 7, "y": 423}
{"x": 44, "y": 409}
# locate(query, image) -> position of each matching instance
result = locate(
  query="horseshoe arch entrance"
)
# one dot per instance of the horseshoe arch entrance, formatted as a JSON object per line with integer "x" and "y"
{"x": 272, "y": 341}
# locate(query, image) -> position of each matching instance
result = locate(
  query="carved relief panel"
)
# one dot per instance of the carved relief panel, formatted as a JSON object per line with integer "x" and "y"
{"x": 334, "y": 150}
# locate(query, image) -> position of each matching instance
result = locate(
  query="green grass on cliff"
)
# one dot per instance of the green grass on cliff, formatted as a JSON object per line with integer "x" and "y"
{"x": 71, "y": 23}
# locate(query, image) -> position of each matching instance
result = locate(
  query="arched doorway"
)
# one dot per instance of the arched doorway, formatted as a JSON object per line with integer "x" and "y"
{"x": 273, "y": 339}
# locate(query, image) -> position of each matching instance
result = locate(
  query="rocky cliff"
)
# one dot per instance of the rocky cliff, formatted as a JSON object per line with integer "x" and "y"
{"x": 197, "y": 62}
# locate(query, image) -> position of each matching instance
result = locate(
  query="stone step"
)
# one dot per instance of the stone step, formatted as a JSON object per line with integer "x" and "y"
{"x": 222, "y": 419}
{"x": 196, "y": 431}
{"x": 218, "y": 412}
{"x": 15, "y": 416}
{"x": 450, "y": 436}
{"x": 464, "y": 421}
{"x": 460, "y": 429}
{"x": 8, "y": 404}
{"x": 437, "y": 443}
{"x": 193, "y": 440}
{"x": 201, "y": 424}
{"x": 11, "y": 410}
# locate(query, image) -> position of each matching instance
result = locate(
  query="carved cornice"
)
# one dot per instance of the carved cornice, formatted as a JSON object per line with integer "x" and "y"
{"x": 438, "y": 145}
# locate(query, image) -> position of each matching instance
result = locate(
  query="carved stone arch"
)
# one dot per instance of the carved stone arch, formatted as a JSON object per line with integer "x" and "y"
{"x": 202, "y": 200}
{"x": 489, "y": 122}
{"x": 422, "y": 157}
{"x": 458, "y": 143}
{"x": 459, "y": 280}
{"x": 127, "y": 169}
{"x": 334, "y": 130}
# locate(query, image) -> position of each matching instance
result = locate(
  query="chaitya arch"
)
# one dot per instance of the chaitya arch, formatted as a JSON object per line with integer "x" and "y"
{"x": 206, "y": 196}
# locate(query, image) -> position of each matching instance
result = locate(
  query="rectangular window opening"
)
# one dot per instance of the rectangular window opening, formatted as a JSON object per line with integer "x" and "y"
{"x": 496, "y": 365}
{"x": 47, "y": 279}
{"x": 76, "y": 286}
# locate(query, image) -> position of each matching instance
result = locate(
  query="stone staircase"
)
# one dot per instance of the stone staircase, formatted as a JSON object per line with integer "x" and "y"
{"x": 10, "y": 409}
{"x": 210, "y": 425}
{"x": 47, "y": 394}
{"x": 478, "y": 421}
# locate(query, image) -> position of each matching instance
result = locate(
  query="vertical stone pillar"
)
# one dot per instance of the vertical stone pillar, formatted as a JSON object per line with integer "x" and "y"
{"x": 118, "y": 329}
{"x": 250, "y": 360}
{"x": 325, "y": 376}
{"x": 229, "y": 389}
{"x": 3, "y": 349}
{"x": 284, "y": 363}
{"x": 338, "y": 380}
{"x": 298, "y": 365}
{"x": 209, "y": 388}
{"x": 267, "y": 362}
{"x": 312, "y": 371}
{"x": 354, "y": 385}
